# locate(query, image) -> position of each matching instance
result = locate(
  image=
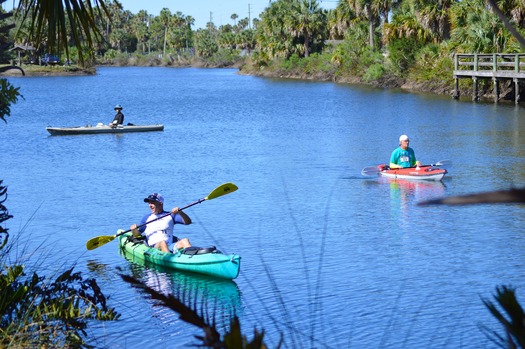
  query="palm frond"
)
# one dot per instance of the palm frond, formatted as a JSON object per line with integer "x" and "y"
{"x": 52, "y": 21}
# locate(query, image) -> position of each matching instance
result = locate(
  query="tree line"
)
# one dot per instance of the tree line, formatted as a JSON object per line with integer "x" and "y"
{"x": 382, "y": 42}
{"x": 399, "y": 29}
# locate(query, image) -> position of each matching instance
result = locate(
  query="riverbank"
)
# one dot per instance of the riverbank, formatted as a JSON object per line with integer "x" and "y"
{"x": 387, "y": 81}
{"x": 443, "y": 86}
{"x": 49, "y": 70}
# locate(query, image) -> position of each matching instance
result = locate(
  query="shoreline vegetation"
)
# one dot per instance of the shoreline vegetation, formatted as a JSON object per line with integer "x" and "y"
{"x": 428, "y": 75}
{"x": 284, "y": 69}
{"x": 300, "y": 69}
{"x": 406, "y": 44}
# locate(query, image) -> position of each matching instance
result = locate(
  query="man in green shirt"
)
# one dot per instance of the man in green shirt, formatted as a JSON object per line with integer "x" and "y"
{"x": 403, "y": 156}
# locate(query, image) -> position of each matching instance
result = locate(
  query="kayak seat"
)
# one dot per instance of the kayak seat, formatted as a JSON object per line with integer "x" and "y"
{"x": 193, "y": 250}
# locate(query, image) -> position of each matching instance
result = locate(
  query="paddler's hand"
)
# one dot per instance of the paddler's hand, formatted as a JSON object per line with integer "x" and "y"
{"x": 134, "y": 230}
{"x": 175, "y": 210}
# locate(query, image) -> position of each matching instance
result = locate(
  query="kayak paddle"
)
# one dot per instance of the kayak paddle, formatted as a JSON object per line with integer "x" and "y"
{"x": 221, "y": 190}
{"x": 374, "y": 170}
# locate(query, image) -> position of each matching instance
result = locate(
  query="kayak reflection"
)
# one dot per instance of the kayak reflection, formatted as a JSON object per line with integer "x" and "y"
{"x": 214, "y": 296}
{"x": 405, "y": 194}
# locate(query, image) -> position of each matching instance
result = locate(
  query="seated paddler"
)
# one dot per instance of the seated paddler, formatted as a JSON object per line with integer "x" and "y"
{"x": 159, "y": 233}
{"x": 403, "y": 156}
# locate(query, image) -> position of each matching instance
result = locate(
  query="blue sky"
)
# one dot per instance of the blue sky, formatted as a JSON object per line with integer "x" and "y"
{"x": 201, "y": 10}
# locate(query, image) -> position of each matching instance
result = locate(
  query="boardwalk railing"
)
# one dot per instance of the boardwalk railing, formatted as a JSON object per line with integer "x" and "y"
{"x": 495, "y": 66}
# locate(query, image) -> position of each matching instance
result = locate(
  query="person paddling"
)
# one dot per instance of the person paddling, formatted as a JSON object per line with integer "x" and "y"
{"x": 160, "y": 232}
{"x": 403, "y": 156}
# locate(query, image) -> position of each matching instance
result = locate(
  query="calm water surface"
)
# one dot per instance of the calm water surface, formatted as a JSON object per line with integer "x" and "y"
{"x": 330, "y": 259}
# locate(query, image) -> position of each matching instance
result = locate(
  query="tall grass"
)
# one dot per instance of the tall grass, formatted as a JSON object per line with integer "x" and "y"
{"x": 44, "y": 311}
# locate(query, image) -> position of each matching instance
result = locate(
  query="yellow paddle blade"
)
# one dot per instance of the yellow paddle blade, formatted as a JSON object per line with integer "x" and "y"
{"x": 99, "y": 241}
{"x": 221, "y": 190}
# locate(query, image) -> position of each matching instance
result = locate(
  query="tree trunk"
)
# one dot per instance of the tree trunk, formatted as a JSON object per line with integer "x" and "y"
{"x": 165, "y": 39}
{"x": 306, "y": 45}
{"x": 371, "y": 32}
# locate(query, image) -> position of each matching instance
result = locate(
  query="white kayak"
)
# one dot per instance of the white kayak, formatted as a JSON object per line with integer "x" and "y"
{"x": 100, "y": 128}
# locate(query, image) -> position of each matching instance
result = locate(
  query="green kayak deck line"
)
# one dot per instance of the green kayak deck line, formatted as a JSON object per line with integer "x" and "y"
{"x": 212, "y": 263}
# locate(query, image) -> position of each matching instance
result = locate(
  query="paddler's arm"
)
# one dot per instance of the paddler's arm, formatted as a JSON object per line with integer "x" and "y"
{"x": 392, "y": 165}
{"x": 135, "y": 231}
{"x": 185, "y": 218}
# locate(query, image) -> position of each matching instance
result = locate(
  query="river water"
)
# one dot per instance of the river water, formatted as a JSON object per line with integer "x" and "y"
{"x": 330, "y": 259}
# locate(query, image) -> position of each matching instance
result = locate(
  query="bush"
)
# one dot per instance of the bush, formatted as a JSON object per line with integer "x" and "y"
{"x": 41, "y": 312}
{"x": 402, "y": 53}
{"x": 374, "y": 72}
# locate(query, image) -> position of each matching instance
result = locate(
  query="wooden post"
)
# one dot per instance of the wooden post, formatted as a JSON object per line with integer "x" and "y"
{"x": 475, "y": 96}
{"x": 496, "y": 90}
{"x": 516, "y": 91}
{"x": 455, "y": 94}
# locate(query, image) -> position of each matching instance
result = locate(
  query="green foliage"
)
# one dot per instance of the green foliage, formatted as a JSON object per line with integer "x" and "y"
{"x": 477, "y": 29}
{"x": 291, "y": 64}
{"x": 36, "y": 310}
{"x": 8, "y": 95}
{"x": 224, "y": 58}
{"x": 374, "y": 72}
{"x": 432, "y": 67}
{"x": 402, "y": 53}
{"x": 513, "y": 318}
{"x": 290, "y": 27}
{"x": 59, "y": 23}
{"x": 205, "y": 45}
{"x": 110, "y": 55}
{"x": 42, "y": 312}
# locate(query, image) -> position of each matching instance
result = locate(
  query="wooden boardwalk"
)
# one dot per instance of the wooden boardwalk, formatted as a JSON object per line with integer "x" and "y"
{"x": 495, "y": 66}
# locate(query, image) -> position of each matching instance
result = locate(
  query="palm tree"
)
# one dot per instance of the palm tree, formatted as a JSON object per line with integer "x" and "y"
{"x": 234, "y": 18}
{"x": 54, "y": 21}
{"x": 139, "y": 27}
{"x": 165, "y": 18}
{"x": 365, "y": 10}
{"x": 340, "y": 19}
{"x": 307, "y": 23}
{"x": 513, "y": 9}
{"x": 434, "y": 15}
{"x": 290, "y": 27}
{"x": 405, "y": 25}
{"x": 47, "y": 23}
{"x": 476, "y": 29}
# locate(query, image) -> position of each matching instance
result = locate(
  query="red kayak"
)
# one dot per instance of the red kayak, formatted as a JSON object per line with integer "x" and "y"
{"x": 427, "y": 173}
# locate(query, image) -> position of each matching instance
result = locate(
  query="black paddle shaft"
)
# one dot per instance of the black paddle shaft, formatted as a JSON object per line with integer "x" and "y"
{"x": 165, "y": 215}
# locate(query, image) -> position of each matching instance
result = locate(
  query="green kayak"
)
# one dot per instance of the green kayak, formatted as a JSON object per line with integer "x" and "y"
{"x": 208, "y": 261}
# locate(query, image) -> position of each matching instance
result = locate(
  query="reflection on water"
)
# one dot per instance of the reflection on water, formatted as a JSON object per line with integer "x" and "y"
{"x": 404, "y": 193}
{"x": 208, "y": 295}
